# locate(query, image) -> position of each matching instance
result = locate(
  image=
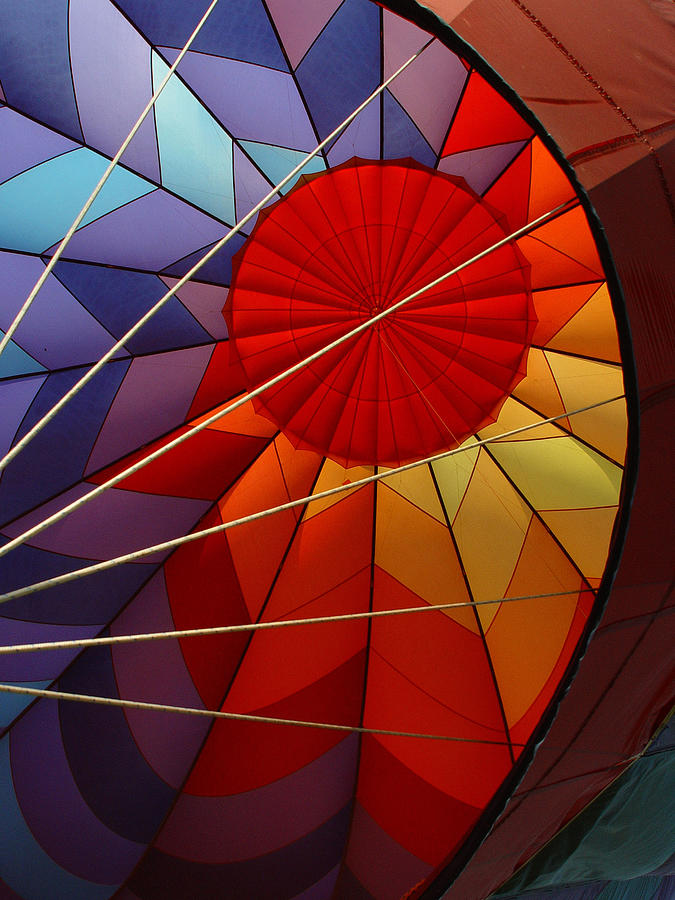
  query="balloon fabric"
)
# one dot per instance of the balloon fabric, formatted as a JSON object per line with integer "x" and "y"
{"x": 469, "y": 456}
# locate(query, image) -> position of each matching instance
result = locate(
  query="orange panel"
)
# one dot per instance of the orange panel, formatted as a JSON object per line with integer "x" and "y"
{"x": 570, "y": 234}
{"x": 258, "y": 547}
{"x": 551, "y": 266}
{"x": 592, "y": 332}
{"x": 550, "y": 186}
{"x": 585, "y": 534}
{"x": 540, "y": 389}
{"x": 555, "y": 308}
{"x": 327, "y": 550}
{"x": 527, "y": 636}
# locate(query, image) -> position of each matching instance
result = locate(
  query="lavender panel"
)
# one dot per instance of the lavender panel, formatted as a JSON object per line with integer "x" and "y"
{"x": 480, "y": 168}
{"x": 360, "y": 138}
{"x": 56, "y": 330}
{"x": 153, "y": 399}
{"x": 111, "y": 524}
{"x": 156, "y": 671}
{"x": 250, "y": 185}
{"x": 255, "y": 823}
{"x": 46, "y": 665}
{"x": 254, "y": 103}
{"x": 430, "y": 87}
{"x": 149, "y": 233}
{"x": 299, "y": 23}
{"x": 24, "y": 143}
{"x": 111, "y": 73}
{"x": 322, "y": 890}
{"x": 205, "y": 302}
{"x": 53, "y": 807}
{"x": 385, "y": 868}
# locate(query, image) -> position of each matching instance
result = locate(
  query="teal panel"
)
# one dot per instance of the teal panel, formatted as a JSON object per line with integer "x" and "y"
{"x": 277, "y": 162}
{"x": 195, "y": 152}
{"x": 38, "y": 206}
{"x": 624, "y": 835}
{"x": 24, "y": 865}
{"x": 12, "y": 704}
{"x": 15, "y": 361}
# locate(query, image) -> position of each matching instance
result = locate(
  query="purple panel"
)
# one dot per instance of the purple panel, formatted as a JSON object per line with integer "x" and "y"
{"x": 149, "y": 233}
{"x": 111, "y": 74}
{"x": 385, "y": 868}
{"x": 24, "y": 143}
{"x": 114, "y": 523}
{"x": 361, "y": 138}
{"x": 153, "y": 398}
{"x": 250, "y": 185}
{"x": 53, "y": 807}
{"x": 204, "y": 301}
{"x": 299, "y": 23}
{"x": 479, "y": 168}
{"x": 56, "y": 330}
{"x": 254, "y": 103}
{"x": 17, "y": 396}
{"x": 430, "y": 88}
{"x": 155, "y": 671}
{"x": 244, "y": 826}
{"x": 38, "y": 666}
{"x": 322, "y": 890}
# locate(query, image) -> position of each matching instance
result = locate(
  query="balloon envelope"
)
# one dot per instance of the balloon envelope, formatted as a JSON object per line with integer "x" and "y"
{"x": 516, "y": 533}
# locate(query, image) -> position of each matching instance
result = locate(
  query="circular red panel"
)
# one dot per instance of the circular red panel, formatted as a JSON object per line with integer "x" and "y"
{"x": 342, "y": 247}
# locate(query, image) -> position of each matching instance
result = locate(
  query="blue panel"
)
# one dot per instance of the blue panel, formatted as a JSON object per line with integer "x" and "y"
{"x": 239, "y": 30}
{"x": 195, "y": 152}
{"x": 111, "y": 774}
{"x": 343, "y": 66}
{"x": 15, "y": 361}
{"x": 68, "y": 604}
{"x": 100, "y": 290}
{"x": 217, "y": 270}
{"x": 277, "y": 162}
{"x": 12, "y": 704}
{"x": 35, "y": 64}
{"x": 24, "y": 865}
{"x": 401, "y": 137}
{"x": 37, "y": 207}
{"x": 56, "y": 458}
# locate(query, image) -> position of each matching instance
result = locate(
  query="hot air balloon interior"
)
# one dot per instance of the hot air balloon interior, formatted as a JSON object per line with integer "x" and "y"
{"x": 397, "y": 392}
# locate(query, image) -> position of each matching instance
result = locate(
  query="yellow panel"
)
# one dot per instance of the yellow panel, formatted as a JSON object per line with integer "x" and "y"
{"x": 527, "y": 636}
{"x": 592, "y": 331}
{"x": 585, "y": 534}
{"x": 489, "y": 529}
{"x": 332, "y": 475}
{"x": 417, "y": 550}
{"x": 559, "y": 473}
{"x": 538, "y": 388}
{"x": 514, "y": 415}
{"x": 453, "y": 475}
{"x": 582, "y": 382}
{"x": 417, "y": 486}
